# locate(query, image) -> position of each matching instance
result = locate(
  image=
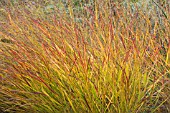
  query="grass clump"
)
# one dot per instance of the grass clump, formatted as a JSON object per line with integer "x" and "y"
{"x": 114, "y": 59}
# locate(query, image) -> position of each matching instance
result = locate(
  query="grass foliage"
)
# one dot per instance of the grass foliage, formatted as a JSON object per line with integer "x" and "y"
{"x": 96, "y": 56}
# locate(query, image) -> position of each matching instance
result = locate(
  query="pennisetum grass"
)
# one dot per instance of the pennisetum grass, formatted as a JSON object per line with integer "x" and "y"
{"x": 102, "y": 58}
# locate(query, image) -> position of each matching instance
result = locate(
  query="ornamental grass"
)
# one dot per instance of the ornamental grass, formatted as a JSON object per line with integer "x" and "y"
{"x": 84, "y": 57}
